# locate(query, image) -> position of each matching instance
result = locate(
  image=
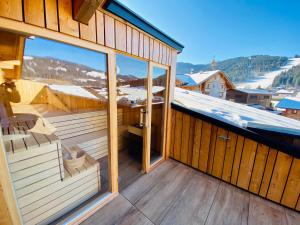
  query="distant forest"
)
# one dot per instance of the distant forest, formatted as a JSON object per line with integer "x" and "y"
{"x": 239, "y": 69}
{"x": 290, "y": 78}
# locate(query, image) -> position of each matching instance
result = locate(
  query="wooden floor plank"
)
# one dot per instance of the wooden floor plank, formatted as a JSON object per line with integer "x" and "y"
{"x": 193, "y": 204}
{"x": 159, "y": 199}
{"x": 230, "y": 207}
{"x": 176, "y": 194}
{"x": 265, "y": 212}
{"x": 141, "y": 186}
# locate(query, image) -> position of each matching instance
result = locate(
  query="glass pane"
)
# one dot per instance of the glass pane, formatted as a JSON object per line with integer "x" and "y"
{"x": 132, "y": 99}
{"x": 159, "y": 81}
{"x": 53, "y": 110}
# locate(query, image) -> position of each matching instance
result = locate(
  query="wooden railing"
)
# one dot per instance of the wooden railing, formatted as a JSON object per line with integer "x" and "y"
{"x": 236, "y": 158}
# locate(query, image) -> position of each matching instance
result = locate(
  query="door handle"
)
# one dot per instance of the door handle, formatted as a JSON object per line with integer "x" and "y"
{"x": 143, "y": 120}
{"x": 224, "y": 138}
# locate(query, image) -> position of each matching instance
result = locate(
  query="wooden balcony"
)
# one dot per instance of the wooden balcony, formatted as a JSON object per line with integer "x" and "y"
{"x": 177, "y": 194}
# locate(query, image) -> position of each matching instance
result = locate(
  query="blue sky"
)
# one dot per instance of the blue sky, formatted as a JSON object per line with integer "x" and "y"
{"x": 225, "y": 28}
{"x": 62, "y": 51}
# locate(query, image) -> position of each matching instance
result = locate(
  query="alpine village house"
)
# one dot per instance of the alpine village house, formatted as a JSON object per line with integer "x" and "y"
{"x": 93, "y": 130}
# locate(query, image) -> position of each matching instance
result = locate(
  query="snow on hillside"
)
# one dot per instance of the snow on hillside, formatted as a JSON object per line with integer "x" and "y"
{"x": 266, "y": 80}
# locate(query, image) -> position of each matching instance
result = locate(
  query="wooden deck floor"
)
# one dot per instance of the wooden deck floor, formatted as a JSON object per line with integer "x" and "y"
{"x": 176, "y": 194}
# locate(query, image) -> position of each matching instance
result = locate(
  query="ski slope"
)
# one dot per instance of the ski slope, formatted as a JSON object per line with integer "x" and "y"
{"x": 266, "y": 80}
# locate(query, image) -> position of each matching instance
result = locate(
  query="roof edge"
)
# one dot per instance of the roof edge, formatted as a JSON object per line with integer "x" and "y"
{"x": 120, "y": 10}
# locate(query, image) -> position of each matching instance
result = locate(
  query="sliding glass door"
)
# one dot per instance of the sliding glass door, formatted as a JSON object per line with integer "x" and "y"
{"x": 159, "y": 95}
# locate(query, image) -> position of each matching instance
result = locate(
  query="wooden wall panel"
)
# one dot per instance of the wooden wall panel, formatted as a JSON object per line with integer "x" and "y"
{"x": 292, "y": 189}
{"x": 135, "y": 42}
{"x": 279, "y": 176}
{"x": 88, "y": 32}
{"x": 128, "y": 39}
{"x": 103, "y": 28}
{"x": 34, "y": 12}
{"x": 151, "y": 49}
{"x": 236, "y": 159}
{"x": 204, "y": 148}
{"x": 4, "y": 213}
{"x": 51, "y": 14}
{"x": 11, "y": 9}
{"x": 185, "y": 141}
{"x": 177, "y": 135}
{"x": 109, "y": 24}
{"x": 66, "y": 23}
{"x": 100, "y": 27}
{"x": 120, "y": 36}
{"x": 155, "y": 51}
{"x": 219, "y": 155}
{"x": 197, "y": 143}
{"x": 173, "y": 120}
{"x": 146, "y": 47}
{"x": 229, "y": 156}
{"x": 141, "y": 45}
{"x": 246, "y": 165}
{"x": 268, "y": 172}
{"x": 258, "y": 168}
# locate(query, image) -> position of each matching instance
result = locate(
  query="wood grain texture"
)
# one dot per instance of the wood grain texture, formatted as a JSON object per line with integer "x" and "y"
{"x": 120, "y": 36}
{"x": 292, "y": 190}
{"x": 219, "y": 155}
{"x": 141, "y": 45}
{"x": 237, "y": 159}
{"x": 88, "y": 32}
{"x": 109, "y": 23}
{"x": 191, "y": 141}
{"x": 229, "y": 157}
{"x": 185, "y": 141}
{"x": 66, "y": 23}
{"x": 135, "y": 42}
{"x": 128, "y": 39}
{"x": 280, "y": 174}
{"x": 258, "y": 169}
{"x": 100, "y": 27}
{"x": 177, "y": 135}
{"x": 51, "y": 14}
{"x": 11, "y": 9}
{"x": 34, "y": 13}
{"x": 146, "y": 47}
{"x": 197, "y": 143}
{"x": 268, "y": 171}
{"x": 204, "y": 148}
{"x": 247, "y": 161}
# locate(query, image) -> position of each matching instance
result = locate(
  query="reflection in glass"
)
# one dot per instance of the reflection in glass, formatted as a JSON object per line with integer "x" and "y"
{"x": 132, "y": 98}
{"x": 159, "y": 80}
{"x": 53, "y": 113}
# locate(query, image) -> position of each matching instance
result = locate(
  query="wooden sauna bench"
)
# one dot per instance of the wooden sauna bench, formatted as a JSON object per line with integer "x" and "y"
{"x": 88, "y": 130}
{"x": 44, "y": 189}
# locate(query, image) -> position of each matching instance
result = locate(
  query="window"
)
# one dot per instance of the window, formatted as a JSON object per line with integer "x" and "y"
{"x": 53, "y": 114}
{"x": 266, "y": 97}
{"x": 294, "y": 111}
{"x": 253, "y": 97}
{"x": 132, "y": 98}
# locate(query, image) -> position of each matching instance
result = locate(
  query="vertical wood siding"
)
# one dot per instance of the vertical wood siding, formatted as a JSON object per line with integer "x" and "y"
{"x": 103, "y": 29}
{"x": 235, "y": 159}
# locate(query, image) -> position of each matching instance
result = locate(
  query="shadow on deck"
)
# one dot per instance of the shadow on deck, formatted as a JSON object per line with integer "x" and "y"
{"x": 176, "y": 194}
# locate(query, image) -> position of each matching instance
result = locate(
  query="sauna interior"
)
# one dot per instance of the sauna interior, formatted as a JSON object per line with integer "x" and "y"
{"x": 54, "y": 112}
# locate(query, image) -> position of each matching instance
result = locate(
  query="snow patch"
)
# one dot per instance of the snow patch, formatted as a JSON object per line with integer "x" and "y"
{"x": 266, "y": 80}
{"x": 96, "y": 74}
{"x": 26, "y": 57}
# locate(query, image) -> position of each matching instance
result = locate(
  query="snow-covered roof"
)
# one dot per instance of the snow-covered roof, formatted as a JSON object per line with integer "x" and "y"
{"x": 137, "y": 93}
{"x": 283, "y": 91}
{"x": 72, "y": 90}
{"x": 200, "y": 77}
{"x": 234, "y": 113}
{"x": 289, "y": 103}
{"x": 254, "y": 91}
